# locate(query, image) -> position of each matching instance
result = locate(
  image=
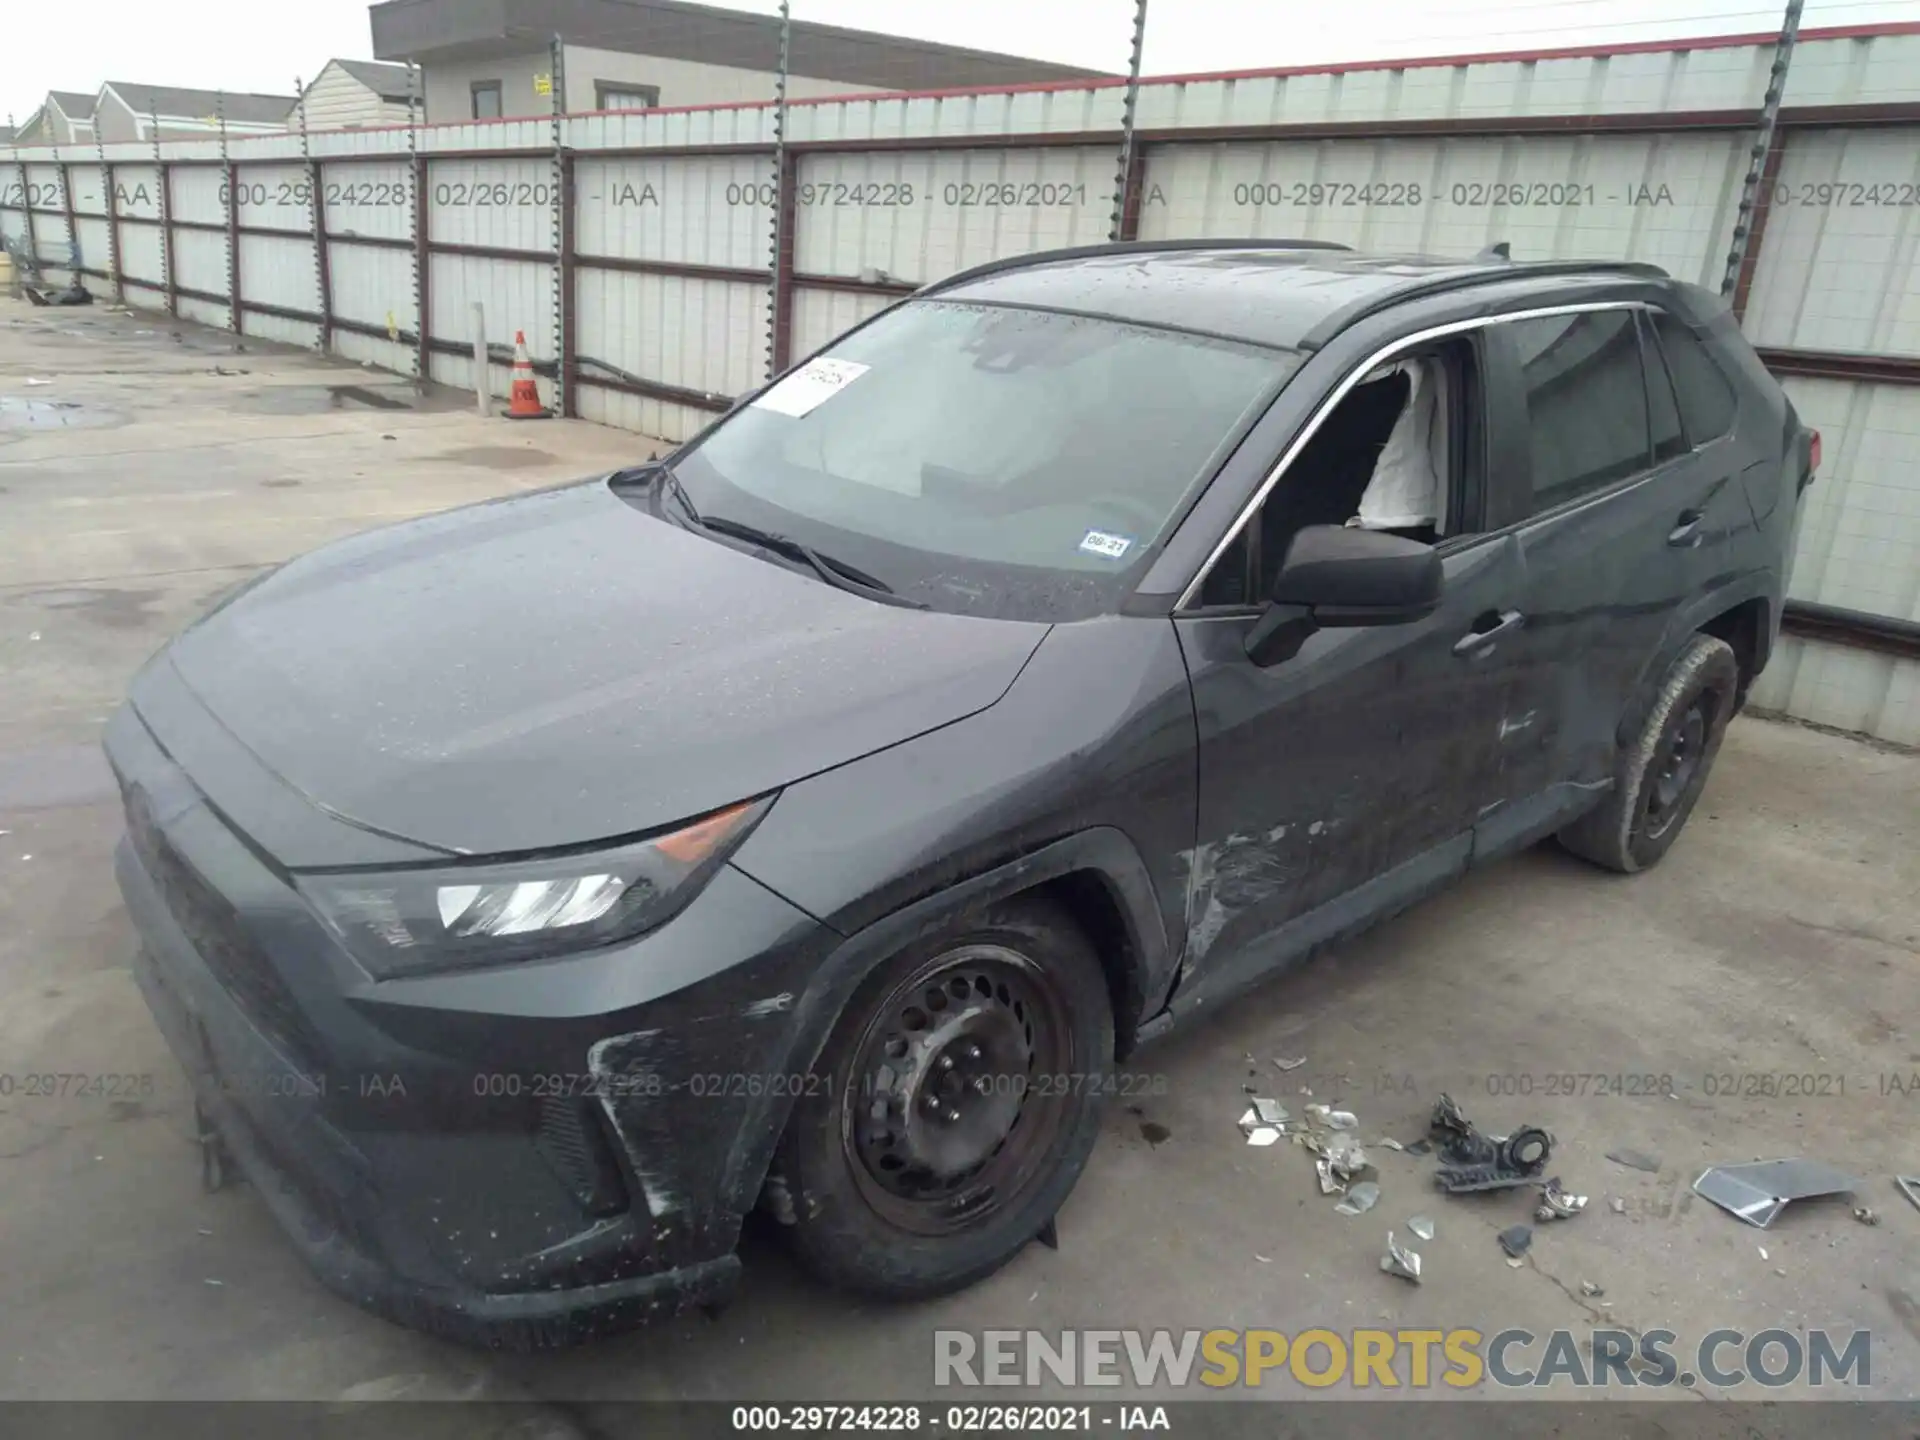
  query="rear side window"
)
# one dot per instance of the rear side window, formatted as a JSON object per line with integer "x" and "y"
{"x": 1706, "y": 399}
{"x": 1586, "y": 402}
{"x": 1669, "y": 439}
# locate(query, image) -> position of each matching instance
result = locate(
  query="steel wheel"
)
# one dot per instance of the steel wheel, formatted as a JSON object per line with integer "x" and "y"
{"x": 958, "y": 1090}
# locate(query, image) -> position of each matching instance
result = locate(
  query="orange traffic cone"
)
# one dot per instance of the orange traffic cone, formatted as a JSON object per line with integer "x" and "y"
{"x": 525, "y": 402}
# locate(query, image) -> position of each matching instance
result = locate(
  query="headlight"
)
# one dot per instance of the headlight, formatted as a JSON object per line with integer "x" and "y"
{"x": 405, "y": 922}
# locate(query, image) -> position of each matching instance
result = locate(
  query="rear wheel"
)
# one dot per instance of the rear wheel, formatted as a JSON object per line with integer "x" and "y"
{"x": 962, "y": 1098}
{"x": 1658, "y": 779}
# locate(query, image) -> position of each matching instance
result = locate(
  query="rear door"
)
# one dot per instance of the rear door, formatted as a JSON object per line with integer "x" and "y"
{"x": 1618, "y": 519}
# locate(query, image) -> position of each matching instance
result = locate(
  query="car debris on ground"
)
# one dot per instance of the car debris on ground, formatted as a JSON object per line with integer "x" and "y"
{"x": 1421, "y": 1226}
{"x": 1400, "y": 1261}
{"x": 1360, "y": 1198}
{"x": 1909, "y": 1186}
{"x": 1757, "y": 1193}
{"x": 1636, "y": 1160}
{"x": 1556, "y": 1203}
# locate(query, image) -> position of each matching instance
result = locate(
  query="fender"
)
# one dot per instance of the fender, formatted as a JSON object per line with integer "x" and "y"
{"x": 1141, "y": 974}
{"x": 1689, "y": 618}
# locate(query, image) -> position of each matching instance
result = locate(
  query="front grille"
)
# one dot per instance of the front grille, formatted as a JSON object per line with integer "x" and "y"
{"x": 214, "y": 930}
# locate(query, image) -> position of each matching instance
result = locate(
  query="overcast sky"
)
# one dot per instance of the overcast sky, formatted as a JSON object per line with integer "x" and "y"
{"x": 251, "y": 45}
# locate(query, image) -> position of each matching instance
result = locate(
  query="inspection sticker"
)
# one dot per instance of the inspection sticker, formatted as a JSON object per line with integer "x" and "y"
{"x": 811, "y": 386}
{"x": 1099, "y": 542}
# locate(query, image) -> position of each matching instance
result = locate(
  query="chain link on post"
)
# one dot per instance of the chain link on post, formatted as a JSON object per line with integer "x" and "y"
{"x": 320, "y": 286}
{"x": 777, "y": 299}
{"x": 561, "y": 232}
{"x": 1753, "y": 199}
{"x": 231, "y": 175}
{"x": 1124, "y": 183}
{"x": 415, "y": 107}
{"x": 163, "y": 177}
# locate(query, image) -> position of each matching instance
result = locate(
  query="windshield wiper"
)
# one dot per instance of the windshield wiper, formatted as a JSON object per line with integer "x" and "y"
{"x": 834, "y": 572}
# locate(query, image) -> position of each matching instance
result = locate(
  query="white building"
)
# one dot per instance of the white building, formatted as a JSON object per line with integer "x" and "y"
{"x": 491, "y": 59}
{"x": 123, "y": 111}
{"x": 355, "y": 95}
{"x": 65, "y": 117}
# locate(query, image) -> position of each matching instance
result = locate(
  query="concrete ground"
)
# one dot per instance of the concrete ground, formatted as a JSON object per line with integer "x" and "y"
{"x": 1779, "y": 940}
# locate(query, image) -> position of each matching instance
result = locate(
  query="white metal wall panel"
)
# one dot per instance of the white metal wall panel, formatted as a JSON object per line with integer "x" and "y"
{"x": 508, "y": 203}
{"x": 1070, "y": 110}
{"x": 274, "y": 197}
{"x": 140, "y": 254}
{"x": 136, "y": 191}
{"x": 366, "y": 349}
{"x": 820, "y": 315}
{"x": 1847, "y": 688}
{"x": 199, "y": 194}
{"x": 368, "y": 198}
{"x": 714, "y": 210}
{"x": 89, "y": 189}
{"x": 373, "y": 285}
{"x": 1882, "y": 70}
{"x": 1839, "y": 264}
{"x": 47, "y": 188}
{"x": 517, "y": 295}
{"x": 93, "y": 241}
{"x": 660, "y": 418}
{"x": 489, "y": 135}
{"x": 1667, "y": 199}
{"x": 13, "y": 219}
{"x": 1860, "y": 535}
{"x": 202, "y": 312}
{"x": 729, "y": 125}
{"x": 145, "y": 297}
{"x": 278, "y": 271}
{"x": 200, "y": 261}
{"x": 707, "y": 335}
{"x": 921, "y": 215}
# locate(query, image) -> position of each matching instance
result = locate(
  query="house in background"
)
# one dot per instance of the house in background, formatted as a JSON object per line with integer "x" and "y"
{"x": 353, "y": 95}
{"x": 132, "y": 112}
{"x": 65, "y": 117}
{"x": 486, "y": 61}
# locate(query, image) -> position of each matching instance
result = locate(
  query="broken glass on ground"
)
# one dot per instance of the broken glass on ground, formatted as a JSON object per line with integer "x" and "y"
{"x": 1264, "y": 1121}
{"x": 1400, "y": 1261}
{"x": 1757, "y": 1193}
{"x": 1636, "y": 1160}
{"x": 1516, "y": 1240}
{"x": 1421, "y": 1226}
{"x": 1361, "y": 1198}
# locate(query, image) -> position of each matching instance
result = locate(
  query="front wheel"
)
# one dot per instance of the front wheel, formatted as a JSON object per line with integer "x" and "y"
{"x": 963, "y": 1096}
{"x": 1659, "y": 777}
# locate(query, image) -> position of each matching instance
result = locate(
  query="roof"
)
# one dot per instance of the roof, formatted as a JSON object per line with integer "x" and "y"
{"x": 389, "y": 82}
{"x": 173, "y": 103}
{"x": 1267, "y": 295}
{"x": 676, "y": 29}
{"x": 6, "y": 132}
{"x": 73, "y": 104}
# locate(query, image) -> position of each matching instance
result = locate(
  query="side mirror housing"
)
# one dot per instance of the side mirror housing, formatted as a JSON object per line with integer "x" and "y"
{"x": 1338, "y": 575}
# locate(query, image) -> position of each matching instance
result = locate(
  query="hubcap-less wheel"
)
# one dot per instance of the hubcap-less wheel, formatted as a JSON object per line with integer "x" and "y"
{"x": 958, "y": 1090}
{"x": 1677, "y": 761}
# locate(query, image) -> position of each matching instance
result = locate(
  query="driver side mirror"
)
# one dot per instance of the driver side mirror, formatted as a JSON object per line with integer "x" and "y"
{"x": 1338, "y": 575}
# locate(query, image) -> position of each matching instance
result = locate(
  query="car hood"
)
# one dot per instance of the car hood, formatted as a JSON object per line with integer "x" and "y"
{"x": 563, "y": 667}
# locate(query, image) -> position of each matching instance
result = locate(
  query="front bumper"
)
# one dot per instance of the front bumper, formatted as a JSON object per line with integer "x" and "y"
{"x": 516, "y": 1157}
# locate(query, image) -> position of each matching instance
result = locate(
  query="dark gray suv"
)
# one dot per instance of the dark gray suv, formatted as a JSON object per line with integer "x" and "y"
{"x": 812, "y": 819}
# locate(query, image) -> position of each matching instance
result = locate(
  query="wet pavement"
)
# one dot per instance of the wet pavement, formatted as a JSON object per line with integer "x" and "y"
{"x": 1755, "y": 996}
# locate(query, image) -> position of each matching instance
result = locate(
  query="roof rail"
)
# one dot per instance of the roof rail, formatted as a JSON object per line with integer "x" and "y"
{"x": 1336, "y": 321}
{"x": 1121, "y": 247}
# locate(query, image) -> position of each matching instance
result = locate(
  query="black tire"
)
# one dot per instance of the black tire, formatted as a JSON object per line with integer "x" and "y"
{"x": 888, "y": 1201}
{"x": 1658, "y": 778}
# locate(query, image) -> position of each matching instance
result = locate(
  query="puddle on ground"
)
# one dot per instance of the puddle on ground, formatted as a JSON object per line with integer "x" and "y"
{"x": 495, "y": 457}
{"x": 319, "y": 399}
{"x": 19, "y": 413}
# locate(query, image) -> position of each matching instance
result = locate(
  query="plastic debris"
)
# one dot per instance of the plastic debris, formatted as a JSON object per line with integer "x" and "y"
{"x": 1909, "y": 1186}
{"x": 36, "y": 380}
{"x": 1361, "y": 1198}
{"x": 1333, "y": 1119}
{"x": 1329, "y": 1183}
{"x": 1345, "y": 1154}
{"x": 1419, "y": 1147}
{"x": 1590, "y": 1290}
{"x": 1617, "y": 1205}
{"x": 1263, "y": 1135}
{"x": 1290, "y": 1064}
{"x": 1270, "y": 1112}
{"x": 1264, "y": 1121}
{"x": 1421, "y": 1226}
{"x": 1636, "y": 1160}
{"x": 1763, "y": 1251}
{"x": 1866, "y": 1215}
{"x": 1517, "y": 1240}
{"x": 1390, "y": 1143}
{"x": 1757, "y": 1193}
{"x": 1556, "y": 1203}
{"x": 1400, "y": 1261}
{"x": 1475, "y": 1162}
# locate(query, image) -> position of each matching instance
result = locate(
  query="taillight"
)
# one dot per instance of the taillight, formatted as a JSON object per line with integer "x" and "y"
{"x": 1813, "y": 453}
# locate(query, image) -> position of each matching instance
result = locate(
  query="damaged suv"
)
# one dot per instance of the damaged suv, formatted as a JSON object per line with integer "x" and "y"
{"x": 814, "y": 818}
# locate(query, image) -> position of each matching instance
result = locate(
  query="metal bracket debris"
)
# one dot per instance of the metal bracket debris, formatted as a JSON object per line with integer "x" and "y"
{"x": 1556, "y": 1203}
{"x": 1757, "y": 1193}
{"x": 1517, "y": 1160}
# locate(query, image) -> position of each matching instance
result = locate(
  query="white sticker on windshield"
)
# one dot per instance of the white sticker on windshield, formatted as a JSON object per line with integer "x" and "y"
{"x": 1099, "y": 542}
{"x": 811, "y": 386}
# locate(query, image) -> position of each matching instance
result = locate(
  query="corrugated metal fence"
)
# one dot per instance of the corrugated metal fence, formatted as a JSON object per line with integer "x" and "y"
{"x": 634, "y": 253}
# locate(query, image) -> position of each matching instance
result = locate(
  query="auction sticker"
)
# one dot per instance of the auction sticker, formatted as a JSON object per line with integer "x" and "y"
{"x": 810, "y": 387}
{"x": 1099, "y": 542}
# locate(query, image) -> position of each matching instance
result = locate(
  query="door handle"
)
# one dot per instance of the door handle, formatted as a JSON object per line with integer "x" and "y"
{"x": 1685, "y": 534}
{"x": 1486, "y": 630}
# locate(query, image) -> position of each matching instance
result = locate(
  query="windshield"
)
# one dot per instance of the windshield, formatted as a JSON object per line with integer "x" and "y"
{"x": 985, "y": 459}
